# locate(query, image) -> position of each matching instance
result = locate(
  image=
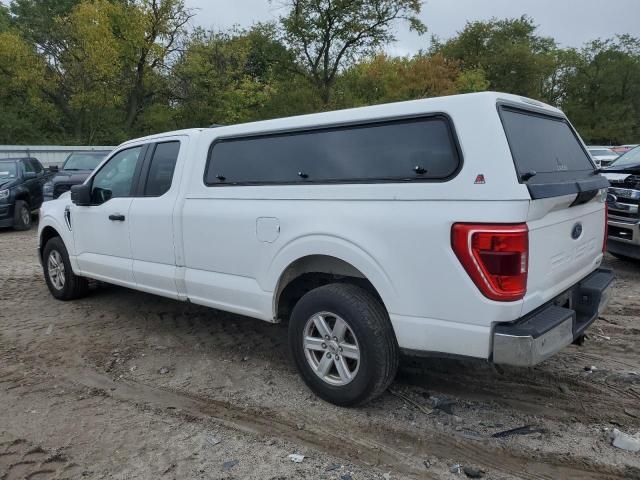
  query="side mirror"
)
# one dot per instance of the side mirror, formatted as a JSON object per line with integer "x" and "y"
{"x": 54, "y": 168}
{"x": 29, "y": 175}
{"x": 81, "y": 195}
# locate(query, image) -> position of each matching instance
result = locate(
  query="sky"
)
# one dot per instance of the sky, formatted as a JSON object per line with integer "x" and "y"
{"x": 571, "y": 22}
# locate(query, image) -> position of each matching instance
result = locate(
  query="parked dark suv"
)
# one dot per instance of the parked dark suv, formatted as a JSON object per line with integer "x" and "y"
{"x": 75, "y": 170}
{"x": 21, "y": 182}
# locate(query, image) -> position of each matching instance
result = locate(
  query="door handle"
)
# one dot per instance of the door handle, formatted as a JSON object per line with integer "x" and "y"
{"x": 116, "y": 217}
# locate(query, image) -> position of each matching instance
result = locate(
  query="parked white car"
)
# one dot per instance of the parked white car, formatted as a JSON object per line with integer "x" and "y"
{"x": 603, "y": 156}
{"x": 468, "y": 225}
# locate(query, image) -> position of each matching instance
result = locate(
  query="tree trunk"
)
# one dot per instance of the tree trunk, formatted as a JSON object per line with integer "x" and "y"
{"x": 135, "y": 98}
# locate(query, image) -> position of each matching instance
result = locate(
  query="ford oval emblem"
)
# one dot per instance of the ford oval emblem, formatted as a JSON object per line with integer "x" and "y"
{"x": 576, "y": 231}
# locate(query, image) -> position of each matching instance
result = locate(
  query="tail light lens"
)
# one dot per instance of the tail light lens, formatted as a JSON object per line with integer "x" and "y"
{"x": 496, "y": 257}
{"x": 606, "y": 228}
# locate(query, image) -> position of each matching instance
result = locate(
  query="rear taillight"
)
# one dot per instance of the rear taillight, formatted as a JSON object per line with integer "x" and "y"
{"x": 496, "y": 257}
{"x": 606, "y": 228}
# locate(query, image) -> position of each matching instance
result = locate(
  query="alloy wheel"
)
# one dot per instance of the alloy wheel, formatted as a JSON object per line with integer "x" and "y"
{"x": 331, "y": 348}
{"x": 55, "y": 268}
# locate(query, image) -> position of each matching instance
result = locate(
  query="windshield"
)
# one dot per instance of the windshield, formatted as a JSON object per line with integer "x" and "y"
{"x": 632, "y": 157}
{"x": 8, "y": 170}
{"x": 83, "y": 161}
{"x": 602, "y": 152}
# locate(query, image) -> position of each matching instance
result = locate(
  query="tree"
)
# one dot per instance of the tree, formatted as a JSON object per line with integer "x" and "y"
{"x": 106, "y": 62}
{"x": 36, "y": 21}
{"x": 5, "y": 18}
{"x": 224, "y": 78}
{"x": 27, "y": 115}
{"x": 87, "y": 70}
{"x": 390, "y": 79}
{"x": 156, "y": 30}
{"x": 471, "y": 81}
{"x": 603, "y": 91}
{"x": 328, "y": 35}
{"x": 513, "y": 58}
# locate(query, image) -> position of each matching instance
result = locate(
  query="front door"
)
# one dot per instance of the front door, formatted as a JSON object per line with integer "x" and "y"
{"x": 101, "y": 230}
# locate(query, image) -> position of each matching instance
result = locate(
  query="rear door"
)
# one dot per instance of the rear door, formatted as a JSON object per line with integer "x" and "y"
{"x": 32, "y": 184}
{"x": 152, "y": 219}
{"x": 41, "y": 178}
{"x": 566, "y": 217}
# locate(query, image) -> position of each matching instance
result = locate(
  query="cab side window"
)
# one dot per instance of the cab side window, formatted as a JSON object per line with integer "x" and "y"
{"x": 115, "y": 178}
{"x": 163, "y": 164}
{"x": 27, "y": 166}
{"x": 37, "y": 165}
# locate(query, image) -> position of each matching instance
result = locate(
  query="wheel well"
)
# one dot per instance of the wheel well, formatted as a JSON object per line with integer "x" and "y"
{"x": 23, "y": 196}
{"x": 311, "y": 272}
{"x": 47, "y": 234}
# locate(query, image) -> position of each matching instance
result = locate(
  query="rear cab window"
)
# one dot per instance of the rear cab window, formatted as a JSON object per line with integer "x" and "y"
{"x": 27, "y": 166}
{"x": 37, "y": 165}
{"x": 548, "y": 156}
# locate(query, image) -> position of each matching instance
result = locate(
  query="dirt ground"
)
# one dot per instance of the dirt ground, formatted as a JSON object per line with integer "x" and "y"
{"x": 126, "y": 385}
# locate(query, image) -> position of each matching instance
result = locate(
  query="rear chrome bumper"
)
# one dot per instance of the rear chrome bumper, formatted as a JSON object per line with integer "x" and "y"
{"x": 540, "y": 334}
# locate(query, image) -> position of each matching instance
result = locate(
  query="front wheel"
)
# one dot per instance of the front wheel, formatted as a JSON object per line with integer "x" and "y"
{"x": 22, "y": 216}
{"x": 62, "y": 282}
{"x": 343, "y": 344}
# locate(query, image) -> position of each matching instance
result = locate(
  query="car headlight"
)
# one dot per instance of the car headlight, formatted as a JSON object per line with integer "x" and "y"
{"x": 47, "y": 188}
{"x": 4, "y": 194}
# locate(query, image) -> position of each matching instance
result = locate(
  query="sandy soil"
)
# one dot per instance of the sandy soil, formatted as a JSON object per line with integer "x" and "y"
{"x": 125, "y": 385}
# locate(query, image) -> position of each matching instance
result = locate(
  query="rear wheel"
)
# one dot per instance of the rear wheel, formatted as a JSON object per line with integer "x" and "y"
{"x": 22, "y": 215}
{"x": 343, "y": 344}
{"x": 62, "y": 282}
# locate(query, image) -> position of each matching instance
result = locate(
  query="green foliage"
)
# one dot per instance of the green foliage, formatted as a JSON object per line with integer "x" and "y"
{"x": 513, "y": 58}
{"x": 603, "y": 91}
{"x": 598, "y": 87}
{"x": 36, "y": 20}
{"x": 471, "y": 81}
{"x": 383, "y": 79}
{"x": 328, "y": 35}
{"x": 102, "y": 71}
{"x": 26, "y": 112}
{"x": 222, "y": 78}
{"x": 5, "y": 19}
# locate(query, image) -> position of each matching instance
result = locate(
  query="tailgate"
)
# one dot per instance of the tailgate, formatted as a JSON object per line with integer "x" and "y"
{"x": 565, "y": 245}
{"x": 566, "y": 216}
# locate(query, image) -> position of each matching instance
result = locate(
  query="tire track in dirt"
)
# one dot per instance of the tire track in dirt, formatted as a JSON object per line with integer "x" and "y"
{"x": 395, "y": 450}
{"x": 588, "y": 396}
{"x": 20, "y": 459}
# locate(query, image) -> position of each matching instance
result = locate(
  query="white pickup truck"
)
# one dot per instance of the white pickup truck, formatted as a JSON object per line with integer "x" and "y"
{"x": 470, "y": 225}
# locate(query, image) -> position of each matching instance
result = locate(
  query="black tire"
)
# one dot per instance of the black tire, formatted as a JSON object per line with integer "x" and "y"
{"x": 74, "y": 286}
{"x": 370, "y": 324}
{"x": 624, "y": 257}
{"x": 22, "y": 219}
